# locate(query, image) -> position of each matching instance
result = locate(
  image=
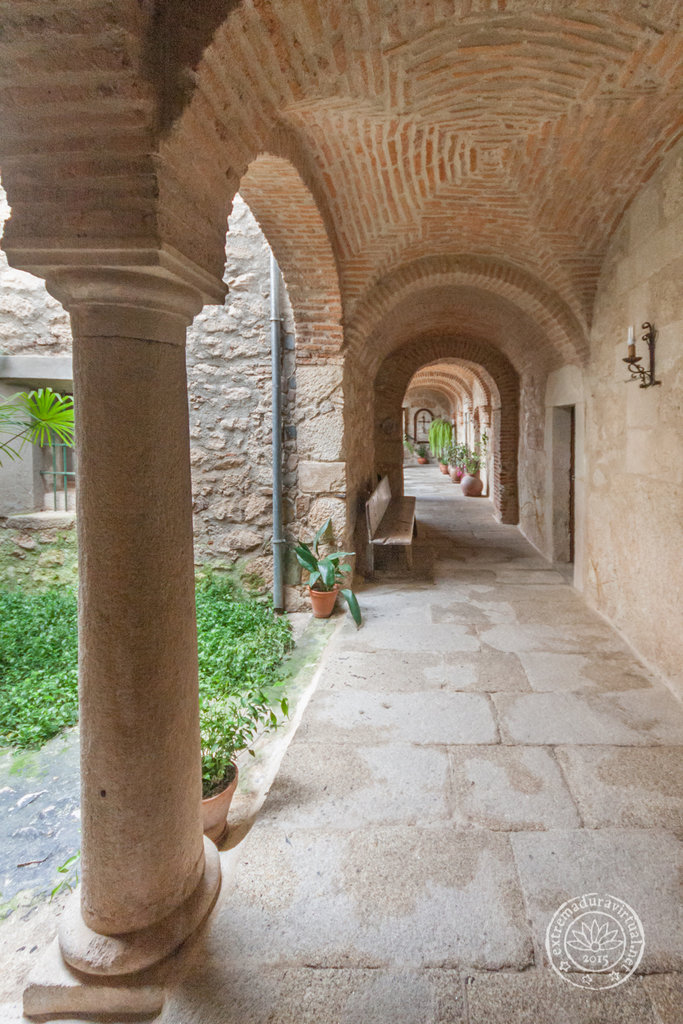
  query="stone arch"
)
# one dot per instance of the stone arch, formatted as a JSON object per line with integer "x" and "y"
{"x": 390, "y": 384}
{"x": 555, "y": 325}
{"x": 281, "y": 191}
{"x": 283, "y": 194}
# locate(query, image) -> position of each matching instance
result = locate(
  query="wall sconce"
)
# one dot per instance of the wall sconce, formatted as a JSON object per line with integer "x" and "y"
{"x": 646, "y": 377}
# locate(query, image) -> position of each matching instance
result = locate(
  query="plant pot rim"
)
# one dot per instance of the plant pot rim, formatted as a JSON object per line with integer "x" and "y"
{"x": 335, "y": 589}
{"x": 231, "y": 785}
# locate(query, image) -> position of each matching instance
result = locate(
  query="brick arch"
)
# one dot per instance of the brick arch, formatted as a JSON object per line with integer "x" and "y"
{"x": 390, "y": 384}
{"x": 285, "y": 205}
{"x": 456, "y": 371}
{"x": 446, "y": 393}
{"x": 555, "y": 326}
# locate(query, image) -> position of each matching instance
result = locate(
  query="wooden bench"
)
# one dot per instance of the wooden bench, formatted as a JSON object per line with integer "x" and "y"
{"x": 390, "y": 521}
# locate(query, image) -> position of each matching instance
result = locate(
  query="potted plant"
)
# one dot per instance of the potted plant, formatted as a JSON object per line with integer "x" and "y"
{"x": 326, "y": 575}
{"x": 472, "y": 461}
{"x": 455, "y": 458}
{"x": 408, "y": 442}
{"x": 440, "y": 437}
{"x": 227, "y": 726}
{"x": 421, "y": 452}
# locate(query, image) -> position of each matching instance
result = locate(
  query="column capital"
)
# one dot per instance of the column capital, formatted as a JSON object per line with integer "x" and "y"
{"x": 125, "y": 303}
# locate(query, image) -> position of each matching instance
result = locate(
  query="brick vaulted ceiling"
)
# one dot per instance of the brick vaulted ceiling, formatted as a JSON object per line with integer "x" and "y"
{"x": 515, "y": 131}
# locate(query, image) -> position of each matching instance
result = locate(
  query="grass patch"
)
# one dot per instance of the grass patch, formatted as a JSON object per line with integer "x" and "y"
{"x": 241, "y": 645}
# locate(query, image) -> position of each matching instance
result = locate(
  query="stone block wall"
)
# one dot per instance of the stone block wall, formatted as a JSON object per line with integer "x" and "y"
{"x": 38, "y": 551}
{"x": 633, "y": 532}
{"x": 229, "y": 393}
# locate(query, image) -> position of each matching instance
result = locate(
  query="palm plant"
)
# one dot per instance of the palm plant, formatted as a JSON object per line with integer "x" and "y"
{"x": 327, "y": 572}
{"x": 440, "y": 436}
{"x": 38, "y": 417}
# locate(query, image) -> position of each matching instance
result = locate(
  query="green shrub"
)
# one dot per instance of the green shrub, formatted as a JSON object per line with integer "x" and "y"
{"x": 38, "y": 666}
{"x": 241, "y": 645}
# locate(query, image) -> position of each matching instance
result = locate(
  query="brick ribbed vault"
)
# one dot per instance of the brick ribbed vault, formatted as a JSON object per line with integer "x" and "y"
{"x": 516, "y": 134}
{"x": 458, "y": 380}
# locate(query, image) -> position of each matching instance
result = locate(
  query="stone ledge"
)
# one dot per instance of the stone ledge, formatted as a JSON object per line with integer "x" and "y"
{"x": 38, "y": 371}
{"x": 41, "y": 521}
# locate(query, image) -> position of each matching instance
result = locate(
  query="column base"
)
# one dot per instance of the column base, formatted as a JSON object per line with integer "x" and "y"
{"x": 55, "y": 990}
{"x": 91, "y": 953}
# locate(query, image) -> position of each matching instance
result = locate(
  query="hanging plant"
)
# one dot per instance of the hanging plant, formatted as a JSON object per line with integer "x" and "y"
{"x": 440, "y": 436}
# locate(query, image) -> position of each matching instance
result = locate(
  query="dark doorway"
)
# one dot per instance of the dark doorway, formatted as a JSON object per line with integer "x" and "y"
{"x": 564, "y": 470}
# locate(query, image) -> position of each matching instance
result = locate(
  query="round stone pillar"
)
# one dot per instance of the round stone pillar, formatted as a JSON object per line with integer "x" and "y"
{"x": 145, "y": 878}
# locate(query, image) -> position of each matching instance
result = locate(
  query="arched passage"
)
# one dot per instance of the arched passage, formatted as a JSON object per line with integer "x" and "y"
{"x": 390, "y": 385}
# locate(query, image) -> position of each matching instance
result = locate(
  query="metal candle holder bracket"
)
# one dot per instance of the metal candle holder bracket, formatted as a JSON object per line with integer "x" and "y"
{"x": 646, "y": 377}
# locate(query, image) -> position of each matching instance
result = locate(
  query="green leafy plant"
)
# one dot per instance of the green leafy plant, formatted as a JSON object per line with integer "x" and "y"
{"x": 422, "y": 451}
{"x": 408, "y": 442}
{"x": 38, "y": 666}
{"x": 38, "y": 417}
{"x": 453, "y": 453}
{"x": 473, "y": 460}
{"x": 241, "y": 646}
{"x": 327, "y": 572}
{"x": 71, "y": 880}
{"x": 440, "y": 436}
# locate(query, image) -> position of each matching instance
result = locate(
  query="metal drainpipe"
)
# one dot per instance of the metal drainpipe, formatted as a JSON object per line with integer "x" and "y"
{"x": 275, "y": 351}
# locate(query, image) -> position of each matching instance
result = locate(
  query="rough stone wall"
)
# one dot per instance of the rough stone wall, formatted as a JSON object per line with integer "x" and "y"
{"x": 229, "y": 391}
{"x": 229, "y": 383}
{"x": 34, "y": 555}
{"x": 634, "y": 438}
{"x": 31, "y": 321}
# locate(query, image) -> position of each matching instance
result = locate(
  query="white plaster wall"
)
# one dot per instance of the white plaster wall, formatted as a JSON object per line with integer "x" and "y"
{"x": 633, "y": 534}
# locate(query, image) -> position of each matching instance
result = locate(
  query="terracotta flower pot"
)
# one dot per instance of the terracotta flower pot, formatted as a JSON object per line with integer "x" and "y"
{"x": 444, "y": 468}
{"x": 215, "y": 811}
{"x": 471, "y": 486}
{"x": 421, "y": 461}
{"x": 456, "y": 473}
{"x": 323, "y": 602}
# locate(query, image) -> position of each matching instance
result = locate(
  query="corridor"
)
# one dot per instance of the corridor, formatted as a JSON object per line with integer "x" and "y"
{"x": 482, "y": 750}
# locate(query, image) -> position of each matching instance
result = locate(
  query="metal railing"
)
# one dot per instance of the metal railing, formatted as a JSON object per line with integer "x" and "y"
{"x": 59, "y": 475}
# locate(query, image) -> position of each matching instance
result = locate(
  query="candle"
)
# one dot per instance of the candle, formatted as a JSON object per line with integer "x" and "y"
{"x": 631, "y": 344}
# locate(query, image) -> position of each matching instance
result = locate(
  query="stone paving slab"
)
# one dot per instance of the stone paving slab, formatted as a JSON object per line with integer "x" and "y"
{"x": 638, "y": 787}
{"x": 510, "y": 788}
{"x": 411, "y": 634}
{"x": 431, "y": 717}
{"x": 540, "y": 997}
{"x": 373, "y": 897}
{"x": 642, "y": 867}
{"x": 666, "y": 993}
{"x": 487, "y": 670}
{"x": 309, "y": 996}
{"x": 632, "y": 718}
{"x": 520, "y": 638}
{"x": 583, "y": 673}
{"x": 349, "y": 786}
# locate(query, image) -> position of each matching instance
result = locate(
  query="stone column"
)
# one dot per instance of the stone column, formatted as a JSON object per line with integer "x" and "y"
{"x": 145, "y": 879}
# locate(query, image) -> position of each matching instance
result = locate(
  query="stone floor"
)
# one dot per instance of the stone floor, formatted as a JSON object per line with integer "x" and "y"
{"x": 482, "y": 750}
